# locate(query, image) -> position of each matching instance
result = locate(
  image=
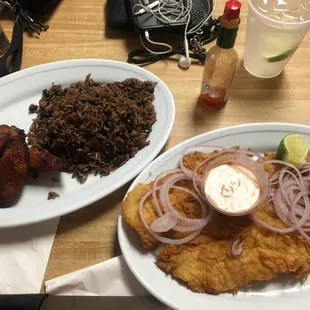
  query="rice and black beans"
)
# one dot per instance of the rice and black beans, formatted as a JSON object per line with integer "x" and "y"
{"x": 94, "y": 127}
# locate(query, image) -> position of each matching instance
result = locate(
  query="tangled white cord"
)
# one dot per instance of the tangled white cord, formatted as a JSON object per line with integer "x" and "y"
{"x": 165, "y": 10}
{"x": 170, "y": 12}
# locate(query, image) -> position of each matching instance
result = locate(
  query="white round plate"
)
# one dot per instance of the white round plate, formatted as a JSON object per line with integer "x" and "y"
{"x": 284, "y": 294}
{"x": 20, "y": 89}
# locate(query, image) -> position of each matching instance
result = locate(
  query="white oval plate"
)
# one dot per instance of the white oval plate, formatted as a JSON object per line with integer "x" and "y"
{"x": 20, "y": 89}
{"x": 278, "y": 294}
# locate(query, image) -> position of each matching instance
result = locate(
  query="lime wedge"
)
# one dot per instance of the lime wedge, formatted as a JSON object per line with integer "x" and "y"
{"x": 293, "y": 149}
{"x": 282, "y": 56}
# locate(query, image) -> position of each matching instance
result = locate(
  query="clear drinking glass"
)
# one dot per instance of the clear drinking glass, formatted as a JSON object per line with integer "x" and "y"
{"x": 275, "y": 30}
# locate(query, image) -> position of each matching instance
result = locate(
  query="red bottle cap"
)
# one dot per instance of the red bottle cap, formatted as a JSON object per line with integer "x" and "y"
{"x": 232, "y": 10}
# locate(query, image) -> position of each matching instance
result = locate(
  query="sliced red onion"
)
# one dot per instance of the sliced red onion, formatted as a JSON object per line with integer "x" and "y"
{"x": 236, "y": 249}
{"x": 283, "y": 191}
{"x": 179, "y": 241}
{"x": 300, "y": 223}
{"x": 256, "y": 156}
{"x": 306, "y": 165}
{"x": 274, "y": 179}
{"x": 157, "y": 236}
{"x": 164, "y": 196}
{"x": 204, "y": 207}
{"x": 291, "y": 200}
{"x": 172, "y": 219}
{"x": 165, "y": 222}
{"x": 282, "y": 209}
{"x": 189, "y": 228}
{"x": 302, "y": 186}
{"x": 154, "y": 186}
{"x": 200, "y": 181}
{"x": 271, "y": 193}
{"x": 164, "y": 190}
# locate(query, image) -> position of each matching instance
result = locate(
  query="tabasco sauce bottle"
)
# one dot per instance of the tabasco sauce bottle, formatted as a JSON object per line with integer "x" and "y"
{"x": 221, "y": 60}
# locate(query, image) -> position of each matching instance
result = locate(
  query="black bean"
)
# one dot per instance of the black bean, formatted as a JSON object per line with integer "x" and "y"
{"x": 44, "y": 114}
{"x": 129, "y": 112}
{"x": 55, "y": 132}
{"x": 33, "y": 108}
{"x": 129, "y": 127}
{"x": 107, "y": 112}
{"x": 45, "y": 93}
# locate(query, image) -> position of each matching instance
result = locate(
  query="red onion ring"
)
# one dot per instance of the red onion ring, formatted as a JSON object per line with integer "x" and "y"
{"x": 291, "y": 201}
{"x": 164, "y": 196}
{"x": 252, "y": 154}
{"x": 195, "y": 176}
{"x": 164, "y": 223}
{"x": 177, "y": 223}
{"x": 237, "y": 250}
{"x": 157, "y": 236}
{"x": 156, "y": 204}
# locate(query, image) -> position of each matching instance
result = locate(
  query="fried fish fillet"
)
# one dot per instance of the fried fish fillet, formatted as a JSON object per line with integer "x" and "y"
{"x": 206, "y": 264}
{"x": 183, "y": 202}
{"x": 131, "y": 214}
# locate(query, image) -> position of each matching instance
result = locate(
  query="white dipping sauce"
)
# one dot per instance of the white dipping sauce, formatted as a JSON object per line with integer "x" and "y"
{"x": 231, "y": 188}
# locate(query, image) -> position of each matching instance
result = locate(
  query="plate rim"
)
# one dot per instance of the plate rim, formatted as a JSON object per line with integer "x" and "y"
{"x": 71, "y": 63}
{"x": 217, "y": 133}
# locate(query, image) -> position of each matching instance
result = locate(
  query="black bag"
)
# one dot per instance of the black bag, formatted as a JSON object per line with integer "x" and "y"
{"x": 119, "y": 17}
{"x": 27, "y": 13}
{"x": 39, "y": 8}
{"x": 119, "y": 14}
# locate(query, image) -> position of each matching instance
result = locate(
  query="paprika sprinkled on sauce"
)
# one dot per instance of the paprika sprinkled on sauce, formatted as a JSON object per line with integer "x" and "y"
{"x": 229, "y": 188}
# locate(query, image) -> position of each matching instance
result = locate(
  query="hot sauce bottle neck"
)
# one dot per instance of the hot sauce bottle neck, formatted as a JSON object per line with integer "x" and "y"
{"x": 229, "y": 21}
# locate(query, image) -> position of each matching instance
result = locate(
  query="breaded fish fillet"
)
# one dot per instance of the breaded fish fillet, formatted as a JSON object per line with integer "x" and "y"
{"x": 183, "y": 202}
{"x": 206, "y": 264}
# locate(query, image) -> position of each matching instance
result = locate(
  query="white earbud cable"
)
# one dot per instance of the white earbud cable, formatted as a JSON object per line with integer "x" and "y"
{"x": 161, "y": 9}
{"x": 161, "y": 44}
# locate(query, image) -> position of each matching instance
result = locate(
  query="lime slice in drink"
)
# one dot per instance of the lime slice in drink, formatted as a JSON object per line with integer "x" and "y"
{"x": 293, "y": 149}
{"x": 278, "y": 48}
{"x": 281, "y": 56}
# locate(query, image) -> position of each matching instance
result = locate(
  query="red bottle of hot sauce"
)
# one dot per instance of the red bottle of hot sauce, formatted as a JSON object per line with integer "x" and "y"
{"x": 221, "y": 60}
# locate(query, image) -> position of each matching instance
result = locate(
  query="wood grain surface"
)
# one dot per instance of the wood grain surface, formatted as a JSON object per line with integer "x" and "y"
{"x": 78, "y": 30}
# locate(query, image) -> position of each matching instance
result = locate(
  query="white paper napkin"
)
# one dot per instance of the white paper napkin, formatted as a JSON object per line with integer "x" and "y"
{"x": 24, "y": 253}
{"x": 109, "y": 278}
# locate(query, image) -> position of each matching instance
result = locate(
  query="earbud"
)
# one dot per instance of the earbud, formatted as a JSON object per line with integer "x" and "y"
{"x": 184, "y": 62}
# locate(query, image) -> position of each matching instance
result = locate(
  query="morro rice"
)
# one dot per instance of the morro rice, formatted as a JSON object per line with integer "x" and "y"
{"x": 94, "y": 127}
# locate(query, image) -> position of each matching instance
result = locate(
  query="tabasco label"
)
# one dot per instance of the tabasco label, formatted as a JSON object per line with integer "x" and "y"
{"x": 214, "y": 97}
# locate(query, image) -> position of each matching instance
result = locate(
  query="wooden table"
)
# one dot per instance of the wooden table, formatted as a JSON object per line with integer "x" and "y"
{"x": 77, "y": 30}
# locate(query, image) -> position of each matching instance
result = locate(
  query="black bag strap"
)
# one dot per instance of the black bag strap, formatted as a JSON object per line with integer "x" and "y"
{"x": 15, "y": 51}
{"x": 11, "y": 61}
